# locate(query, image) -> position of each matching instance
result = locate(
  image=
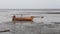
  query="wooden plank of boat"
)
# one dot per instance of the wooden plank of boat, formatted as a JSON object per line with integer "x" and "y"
{"x": 5, "y": 31}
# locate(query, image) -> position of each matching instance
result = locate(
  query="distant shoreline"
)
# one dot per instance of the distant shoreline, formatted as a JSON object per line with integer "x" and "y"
{"x": 33, "y": 9}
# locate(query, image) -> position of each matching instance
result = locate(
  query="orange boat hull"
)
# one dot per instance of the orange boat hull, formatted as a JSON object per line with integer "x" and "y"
{"x": 22, "y": 19}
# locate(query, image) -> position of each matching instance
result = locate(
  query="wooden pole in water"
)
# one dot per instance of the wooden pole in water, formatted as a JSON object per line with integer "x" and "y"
{"x": 13, "y": 19}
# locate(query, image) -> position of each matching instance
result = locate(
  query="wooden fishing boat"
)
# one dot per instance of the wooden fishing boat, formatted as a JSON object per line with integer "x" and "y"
{"x": 24, "y": 18}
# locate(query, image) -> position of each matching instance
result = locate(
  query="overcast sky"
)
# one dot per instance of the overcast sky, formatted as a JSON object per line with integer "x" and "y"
{"x": 29, "y": 4}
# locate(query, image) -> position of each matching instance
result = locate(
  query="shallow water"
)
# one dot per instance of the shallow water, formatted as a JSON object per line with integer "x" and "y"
{"x": 28, "y": 28}
{"x": 47, "y": 27}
